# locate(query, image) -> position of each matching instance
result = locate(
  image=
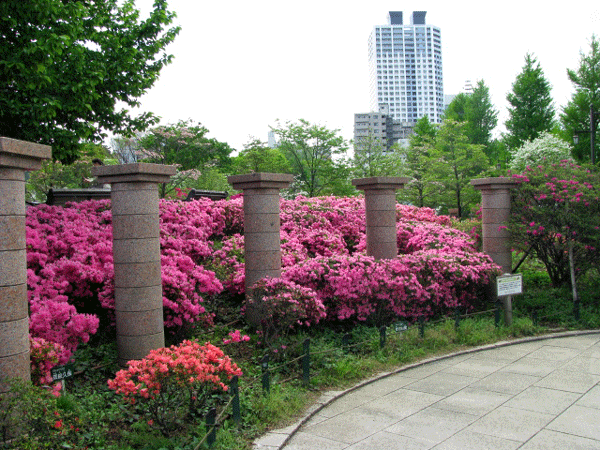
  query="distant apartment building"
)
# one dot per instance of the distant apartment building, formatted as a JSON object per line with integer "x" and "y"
{"x": 379, "y": 128}
{"x": 405, "y": 65}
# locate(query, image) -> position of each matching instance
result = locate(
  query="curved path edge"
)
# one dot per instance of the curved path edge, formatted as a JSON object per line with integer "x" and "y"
{"x": 277, "y": 439}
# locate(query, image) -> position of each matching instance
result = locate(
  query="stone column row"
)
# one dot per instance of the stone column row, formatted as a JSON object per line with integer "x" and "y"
{"x": 16, "y": 157}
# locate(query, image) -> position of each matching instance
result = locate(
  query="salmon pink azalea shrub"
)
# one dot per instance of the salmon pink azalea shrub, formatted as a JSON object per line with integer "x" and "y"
{"x": 170, "y": 384}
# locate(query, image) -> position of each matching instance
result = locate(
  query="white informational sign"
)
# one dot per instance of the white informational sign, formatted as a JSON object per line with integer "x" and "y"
{"x": 510, "y": 284}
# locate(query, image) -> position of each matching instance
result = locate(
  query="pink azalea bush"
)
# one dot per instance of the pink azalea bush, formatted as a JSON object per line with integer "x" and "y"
{"x": 171, "y": 383}
{"x": 44, "y": 356}
{"x": 556, "y": 206}
{"x": 71, "y": 273}
{"x": 279, "y": 305}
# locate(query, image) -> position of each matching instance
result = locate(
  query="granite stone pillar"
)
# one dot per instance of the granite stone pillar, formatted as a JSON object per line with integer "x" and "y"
{"x": 380, "y": 205}
{"x": 15, "y": 158}
{"x": 262, "y": 241}
{"x": 136, "y": 254}
{"x": 495, "y": 208}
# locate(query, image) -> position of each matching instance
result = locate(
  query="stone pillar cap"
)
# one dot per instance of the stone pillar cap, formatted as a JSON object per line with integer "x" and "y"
{"x": 136, "y": 172}
{"x": 493, "y": 183}
{"x": 380, "y": 182}
{"x": 260, "y": 180}
{"x": 24, "y": 155}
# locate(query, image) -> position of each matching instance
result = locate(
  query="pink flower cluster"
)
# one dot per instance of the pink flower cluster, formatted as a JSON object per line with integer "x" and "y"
{"x": 282, "y": 303}
{"x": 44, "y": 356}
{"x": 235, "y": 337}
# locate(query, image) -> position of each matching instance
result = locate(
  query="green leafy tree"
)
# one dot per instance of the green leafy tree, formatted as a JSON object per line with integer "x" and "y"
{"x": 481, "y": 116}
{"x": 257, "y": 156}
{"x": 453, "y": 162}
{"x": 311, "y": 150}
{"x": 531, "y": 111}
{"x": 201, "y": 161}
{"x": 56, "y": 175}
{"x": 577, "y": 115}
{"x": 372, "y": 158}
{"x": 457, "y": 109}
{"x": 70, "y": 69}
{"x": 477, "y": 111}
{"x": 422, "y": 189}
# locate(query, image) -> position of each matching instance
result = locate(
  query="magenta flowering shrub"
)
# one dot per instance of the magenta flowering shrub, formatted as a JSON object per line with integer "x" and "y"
{"x": 279, "y": 305}
{"x": 71, "y": 275}
{"x": 44, "y": 356}
{"x": 426, "y": 283}
{"x": 556, "y": 206}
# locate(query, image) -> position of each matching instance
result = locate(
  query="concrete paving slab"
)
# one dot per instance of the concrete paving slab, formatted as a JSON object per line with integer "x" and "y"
{"x": 576, "y": 342}
{"x": 387, "y": 385}
{"x": 531, "y": 366}
{"x": 554, "y": 353}
{"x": 580, "y": 421}
{"x": 470, "y": 440}
{"x": 476, "y": 367}
{"x": 473, "y": 401}
{"x": 351, "y": 427}
{"x": 553, "y": 440}
{"x": 506, "y": 382}
{"x": 584, "y": 364}
{"x": 569, "y": 381}
{"x": 432, "y": 424}
{"x": 401, "y": 403}
{"x": 591, "y": 399}
{"x": 543, "y": 400}
{"x": 390, "y": 441}
{"x": 441, "y": 383}
{"x": 304, "y": 440}
{"x": 510, "y": 423}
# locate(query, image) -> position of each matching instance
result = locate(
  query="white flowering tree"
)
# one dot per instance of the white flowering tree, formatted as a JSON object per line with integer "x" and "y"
{"x": 546, "y": 149}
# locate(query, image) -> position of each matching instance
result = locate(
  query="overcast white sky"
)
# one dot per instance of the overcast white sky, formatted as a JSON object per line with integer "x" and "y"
{"x": 239, "y": 65}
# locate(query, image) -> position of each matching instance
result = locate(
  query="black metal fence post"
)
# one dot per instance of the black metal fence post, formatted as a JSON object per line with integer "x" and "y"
{"x": 306, "y": 363}
{"x": 265, "y": 374}
{"x": 345, "y": 342}
{"x": 211, "y": 428}
{"x": 382, "y": 337}
{"x": 457, "y": 318}
{"x": 422, "y": 326}
{"x": 497, "y": 314}
{"x": 235, "y": 403}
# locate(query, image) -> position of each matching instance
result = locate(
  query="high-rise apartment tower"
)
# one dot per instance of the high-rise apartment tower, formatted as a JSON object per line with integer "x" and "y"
{"x": 405, "y": 64}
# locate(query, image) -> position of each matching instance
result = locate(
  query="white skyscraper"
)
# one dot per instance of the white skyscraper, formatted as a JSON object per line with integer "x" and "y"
{"x": 405, "y": 63}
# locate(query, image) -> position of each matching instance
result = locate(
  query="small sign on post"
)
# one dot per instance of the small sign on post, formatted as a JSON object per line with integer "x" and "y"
{"x": 61, "y": 373}
{"x": 509, "y": 284}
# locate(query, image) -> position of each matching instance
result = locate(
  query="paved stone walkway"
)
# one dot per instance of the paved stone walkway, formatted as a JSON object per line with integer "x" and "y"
{"x": 536, "y": 394}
